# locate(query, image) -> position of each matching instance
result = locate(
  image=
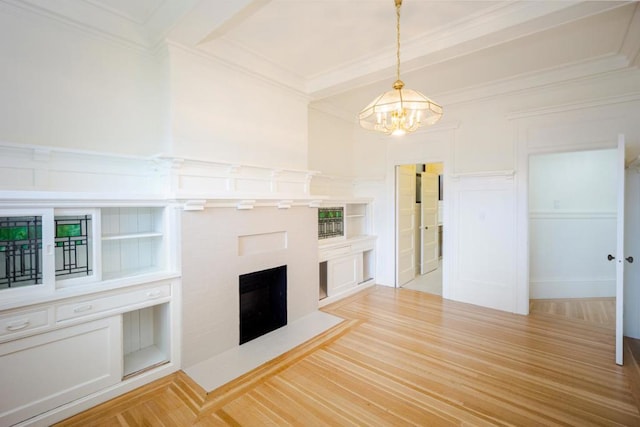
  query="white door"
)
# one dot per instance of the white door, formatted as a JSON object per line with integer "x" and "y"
{"x": 620, "y": 255}
{"x": 405, "y": 226}
{"x": 429, "y": 223}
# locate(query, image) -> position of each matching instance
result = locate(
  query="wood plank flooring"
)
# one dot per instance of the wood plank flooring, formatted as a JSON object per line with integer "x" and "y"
{"x": 403, "y": 357}
{"x": 600, "y": 311}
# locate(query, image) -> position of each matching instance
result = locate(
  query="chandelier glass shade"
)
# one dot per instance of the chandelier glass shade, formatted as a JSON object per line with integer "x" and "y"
{"x": 399, "y": 110}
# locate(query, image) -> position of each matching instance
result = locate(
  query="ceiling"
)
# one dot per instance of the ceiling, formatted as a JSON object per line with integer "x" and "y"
{"x": 342, "y": 52}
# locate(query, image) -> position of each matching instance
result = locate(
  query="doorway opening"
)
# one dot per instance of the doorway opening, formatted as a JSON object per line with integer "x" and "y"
{"x": 572, "y": 229}
{"x": 419, "y": 226}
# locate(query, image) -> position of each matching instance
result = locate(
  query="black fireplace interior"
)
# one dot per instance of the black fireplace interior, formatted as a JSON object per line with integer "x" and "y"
{"x": 263, "y": 302}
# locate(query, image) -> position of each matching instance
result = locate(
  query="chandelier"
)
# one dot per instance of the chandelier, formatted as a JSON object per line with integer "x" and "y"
{"x": 400, "y": 110}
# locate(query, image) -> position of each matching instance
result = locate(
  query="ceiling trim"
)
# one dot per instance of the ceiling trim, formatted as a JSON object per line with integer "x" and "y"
{"x": 631, "y": 44}
{"x": 238, "y": 68}
{"x": 561, "y": 108}
{"x": 534, "y": 80}
{"x": 29, "y": 11}
{"x": 123, "y": 15}
{"x": 251, "y": 8}
{"x": 232, "y": 52}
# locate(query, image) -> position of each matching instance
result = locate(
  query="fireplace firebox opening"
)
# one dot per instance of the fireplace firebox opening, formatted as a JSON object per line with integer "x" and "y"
{"x": 263, "y": 302}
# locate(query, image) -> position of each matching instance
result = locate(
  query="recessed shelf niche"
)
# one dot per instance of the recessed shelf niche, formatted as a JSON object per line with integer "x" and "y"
{"x": 132, "y": 241}
{"x": 145, "y": 342}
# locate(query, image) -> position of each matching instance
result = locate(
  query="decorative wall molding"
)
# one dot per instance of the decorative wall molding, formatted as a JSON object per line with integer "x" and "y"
{"x": 58, "y": 170}
{"x": 482, "y": 234}
{"x": 196, "y": 178}
{"x": 569, "y": 215}
{"x": 29, "y": 172}
{"x": 334, "y": 185}
{"x": 507, "y": 173}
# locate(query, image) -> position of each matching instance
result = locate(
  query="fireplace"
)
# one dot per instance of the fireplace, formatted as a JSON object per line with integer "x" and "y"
{"x": 263, "y": 302}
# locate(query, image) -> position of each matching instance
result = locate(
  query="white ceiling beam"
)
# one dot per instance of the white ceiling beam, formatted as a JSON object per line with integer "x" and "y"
{"x": 495, "y": 26}
{"x": 209, "y": 19}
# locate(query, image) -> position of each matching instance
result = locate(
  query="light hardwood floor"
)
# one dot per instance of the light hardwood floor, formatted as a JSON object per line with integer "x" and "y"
{"x": 599, "y": 311}
{"x": 404, "y": 357}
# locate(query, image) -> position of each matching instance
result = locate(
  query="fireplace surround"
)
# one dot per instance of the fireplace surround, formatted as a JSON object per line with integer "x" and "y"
{"x": 220, "y": 244}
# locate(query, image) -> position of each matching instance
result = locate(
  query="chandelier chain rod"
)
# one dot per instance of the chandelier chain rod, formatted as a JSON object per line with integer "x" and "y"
{"x": 398, "y": 4}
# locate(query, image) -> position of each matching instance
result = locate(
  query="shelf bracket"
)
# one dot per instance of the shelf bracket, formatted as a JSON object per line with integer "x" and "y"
{"x": 194, "y": 205}
{"x": 246, "y": 204}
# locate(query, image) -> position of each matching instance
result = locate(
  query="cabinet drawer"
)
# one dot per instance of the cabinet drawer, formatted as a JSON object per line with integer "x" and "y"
{"x": 111, "y": 302}
{"x": 325, "y": 254}
{"x": 21, "y": 321}
{"x": 363, "y": 246}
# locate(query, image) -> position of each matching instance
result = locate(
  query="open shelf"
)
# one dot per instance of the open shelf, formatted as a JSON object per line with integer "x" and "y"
{"x": 142, "y": 360}
{"x": 132, "y": 241}
{"x": 145, "y": 339}
{"x": 131, "y": 236}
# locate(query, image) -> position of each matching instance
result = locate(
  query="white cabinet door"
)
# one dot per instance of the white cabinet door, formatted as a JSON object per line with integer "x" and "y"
{"x": 343, "y": 273}
{"x": 45, "y": 371}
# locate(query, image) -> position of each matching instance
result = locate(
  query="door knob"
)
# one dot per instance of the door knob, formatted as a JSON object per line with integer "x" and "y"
{"x": 629, "y": 259}
{"x": 610, "y": 257}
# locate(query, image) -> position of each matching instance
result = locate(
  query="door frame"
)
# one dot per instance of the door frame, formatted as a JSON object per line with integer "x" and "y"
{"x": 522, "y": 209}
{"x": 445, "y": 221}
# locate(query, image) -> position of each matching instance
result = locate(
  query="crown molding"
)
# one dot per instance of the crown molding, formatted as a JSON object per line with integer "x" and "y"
{"x": 33, "y": 12}
{"x": 592, "y": 103}
{"x": 334, "y": 111}
{"x": 222, "y": 61}
{"x": 631, "y": 44}
{"x": 534, "y": 80}
{"x": 124, "y": 15}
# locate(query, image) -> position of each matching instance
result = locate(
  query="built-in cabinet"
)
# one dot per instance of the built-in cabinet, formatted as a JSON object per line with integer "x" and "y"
{"x": 89, "y": 300}
{"x": 347, "y": 261}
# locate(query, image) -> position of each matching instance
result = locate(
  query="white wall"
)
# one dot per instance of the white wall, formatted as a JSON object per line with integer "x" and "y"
{"x": 219, "y": 113}
{"x": 485, "y": 146}
{"x": 572, "y": 223}
{"x": 62, "y": 87}
{"x": 328, "y": 137}
{"x": 66, "y": 87}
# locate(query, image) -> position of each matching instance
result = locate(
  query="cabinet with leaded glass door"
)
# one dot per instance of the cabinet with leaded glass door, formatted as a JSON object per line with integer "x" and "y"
{"x": 26, "y": 251}
{"x": 94, "y": 291}
{"x": 46, "y": 249}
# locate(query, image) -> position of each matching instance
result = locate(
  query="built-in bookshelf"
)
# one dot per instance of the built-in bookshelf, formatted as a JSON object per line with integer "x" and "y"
{"x": 347, "y": 259}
